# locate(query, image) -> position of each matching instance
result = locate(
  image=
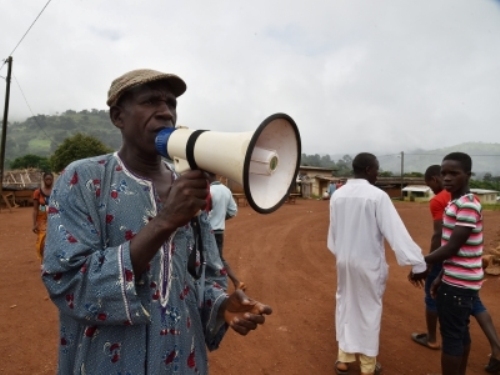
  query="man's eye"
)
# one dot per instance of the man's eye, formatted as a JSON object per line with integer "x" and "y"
{"x": 156, "y": 102}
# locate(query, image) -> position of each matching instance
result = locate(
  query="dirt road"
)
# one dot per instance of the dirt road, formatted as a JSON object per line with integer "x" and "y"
{"x": 284, "y": 261}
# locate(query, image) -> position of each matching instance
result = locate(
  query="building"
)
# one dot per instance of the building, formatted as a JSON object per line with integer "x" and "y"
{"x": 417, "y": 193}
{"x": 314, "y": 181}
{"x": 393, "y": 185}
{"x": 18, "y": 186}
{"x": 485, "y": 196}
{"x": 311, "y": 181}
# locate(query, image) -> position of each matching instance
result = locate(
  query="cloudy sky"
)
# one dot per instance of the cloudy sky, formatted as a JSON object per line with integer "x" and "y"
{"x": 373, "y": 75}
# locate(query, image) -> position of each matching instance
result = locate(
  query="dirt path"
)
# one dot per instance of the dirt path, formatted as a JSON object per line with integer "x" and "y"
{"x": 283, "y": 259}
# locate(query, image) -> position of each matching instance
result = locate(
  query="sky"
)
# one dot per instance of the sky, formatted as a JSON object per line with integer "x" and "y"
{"x": 381, "y": 76}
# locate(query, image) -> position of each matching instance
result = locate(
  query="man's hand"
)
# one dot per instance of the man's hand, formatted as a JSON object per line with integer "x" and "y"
{"x": 417, "y": 279}
{"x": 435, "y": 286}
{"x": 181, "y": 201}
{"x": 486, "y": 260}
{"x": 242, "y": 313}
{"x": 185, "y": 198}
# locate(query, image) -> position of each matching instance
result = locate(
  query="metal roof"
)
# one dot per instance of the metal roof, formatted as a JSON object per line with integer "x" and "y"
{"x": 420, "y": 188}
{"x": 483, "y": 191}
{"x": 327, "y": 178}
{"x": 311, "y": 168}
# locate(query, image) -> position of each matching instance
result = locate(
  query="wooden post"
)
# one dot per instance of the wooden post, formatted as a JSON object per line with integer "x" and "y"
{"x": 4, "y": 128}
{"x": 402, "y": 174}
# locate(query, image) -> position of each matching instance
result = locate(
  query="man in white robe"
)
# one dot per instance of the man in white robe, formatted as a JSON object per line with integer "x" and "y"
{"x": 361, "y": 216}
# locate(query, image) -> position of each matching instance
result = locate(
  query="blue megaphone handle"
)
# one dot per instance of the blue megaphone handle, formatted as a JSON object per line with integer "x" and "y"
{"x": 161, "y": 141}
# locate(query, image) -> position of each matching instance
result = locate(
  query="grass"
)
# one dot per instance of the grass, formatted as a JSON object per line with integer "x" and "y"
{"x": 491, "y": 206}
{"x": 485, "y": 206}
{"x": 38, "y": 145}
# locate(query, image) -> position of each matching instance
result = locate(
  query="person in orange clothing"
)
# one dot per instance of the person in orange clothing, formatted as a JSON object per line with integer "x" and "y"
{"x": 437, "y": 206}
{"x": 41, "y": 198}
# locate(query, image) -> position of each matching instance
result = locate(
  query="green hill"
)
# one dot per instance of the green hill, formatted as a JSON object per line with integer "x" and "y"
{"x": 41, "y": 135}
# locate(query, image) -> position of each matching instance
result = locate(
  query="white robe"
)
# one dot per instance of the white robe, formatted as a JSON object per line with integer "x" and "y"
{"x": 361, "y": 215}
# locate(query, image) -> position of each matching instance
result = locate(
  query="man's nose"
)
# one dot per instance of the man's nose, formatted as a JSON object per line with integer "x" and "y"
{"x": 164, "y": 110}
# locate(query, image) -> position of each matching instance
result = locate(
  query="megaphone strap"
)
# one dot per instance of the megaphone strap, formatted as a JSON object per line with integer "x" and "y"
{"x": 198, "y": 248}
{"x": 190, "y": 148}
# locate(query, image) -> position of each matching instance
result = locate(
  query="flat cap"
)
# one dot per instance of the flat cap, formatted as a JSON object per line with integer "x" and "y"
{"x": 140, "y": 77}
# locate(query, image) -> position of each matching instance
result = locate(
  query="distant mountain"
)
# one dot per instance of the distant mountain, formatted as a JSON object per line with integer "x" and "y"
{"x": 485, "y": 158}
{"x": 41, "y": 135}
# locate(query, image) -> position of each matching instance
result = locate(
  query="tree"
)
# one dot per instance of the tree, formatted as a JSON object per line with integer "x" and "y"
{"x": 77, "y": 147}
{"x": 327, "y": 162}
{"x": 344, "y": 166}
{"x": 414, "y": 174}
{"x": 385, "y": 174}
{"x": 347, "y": 159}
{"x": 31, "y": 161}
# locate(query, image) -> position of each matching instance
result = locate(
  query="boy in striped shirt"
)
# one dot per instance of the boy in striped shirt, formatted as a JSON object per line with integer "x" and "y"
{"x": 461, "y": 249}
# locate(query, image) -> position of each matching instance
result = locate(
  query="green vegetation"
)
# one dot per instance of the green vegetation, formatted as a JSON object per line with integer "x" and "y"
{"x": 41, "y": 135}
{"x": 485, "y": 159}
{"x": 340, "y": 168}
{"x": 490, "y": 206}
{"x": 77, "y": 147}
{"x": 39, "y": 146}
{"x": 488, "y": 185}
{"x": 31, "y": 161}
{"x": 413, "y": 174}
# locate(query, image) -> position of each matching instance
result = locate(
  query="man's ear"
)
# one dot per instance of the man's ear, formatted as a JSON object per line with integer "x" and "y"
{"x": 115, "y": 114}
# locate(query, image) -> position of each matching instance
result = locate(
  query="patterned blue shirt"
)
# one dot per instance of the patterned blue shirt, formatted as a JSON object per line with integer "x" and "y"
{"x": 111, "y": 321}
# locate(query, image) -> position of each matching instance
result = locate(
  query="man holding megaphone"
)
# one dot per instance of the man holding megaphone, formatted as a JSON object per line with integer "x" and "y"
{"x": 130, "y": 262}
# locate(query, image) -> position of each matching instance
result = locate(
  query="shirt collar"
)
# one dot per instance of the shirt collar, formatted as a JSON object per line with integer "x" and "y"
{"x": 357, "y": 181}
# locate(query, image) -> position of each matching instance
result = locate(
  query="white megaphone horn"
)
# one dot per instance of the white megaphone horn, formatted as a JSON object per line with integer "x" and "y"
{"x": 265, "y": 162}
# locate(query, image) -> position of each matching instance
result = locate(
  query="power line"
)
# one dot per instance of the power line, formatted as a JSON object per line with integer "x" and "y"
{"x": 34, "y": 117}
{"x": 384, "y": 156}
{"x": 433, "y": 154}
{"x": 441, "y": 154}
{"x": 26, "y": 33}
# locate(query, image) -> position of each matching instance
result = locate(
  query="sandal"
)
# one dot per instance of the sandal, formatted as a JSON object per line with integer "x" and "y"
{"x": 422, "y": 339}
{"x": 339, "y": 371}
{"x": 493, "y": 366}
{"x": 378, "y": 369}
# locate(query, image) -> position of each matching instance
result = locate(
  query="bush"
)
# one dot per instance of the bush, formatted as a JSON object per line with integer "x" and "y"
{"x": 75, "y": 148}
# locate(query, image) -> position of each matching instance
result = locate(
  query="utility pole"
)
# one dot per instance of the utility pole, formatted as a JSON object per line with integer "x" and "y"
{"x": 402, "y": 174}
{"x": 4, "y": 123}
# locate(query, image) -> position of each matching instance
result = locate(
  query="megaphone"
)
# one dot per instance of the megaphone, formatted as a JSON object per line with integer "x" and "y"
{"x": 265, "y": 162}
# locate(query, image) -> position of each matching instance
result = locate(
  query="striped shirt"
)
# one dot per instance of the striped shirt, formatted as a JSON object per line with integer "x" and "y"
{"x": 464, "y": 269}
